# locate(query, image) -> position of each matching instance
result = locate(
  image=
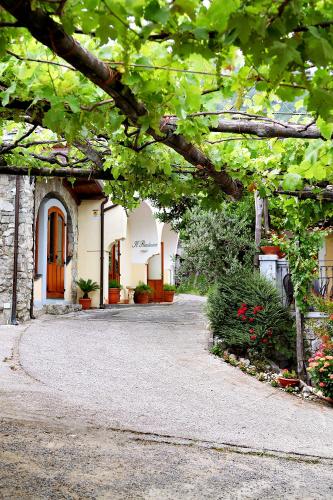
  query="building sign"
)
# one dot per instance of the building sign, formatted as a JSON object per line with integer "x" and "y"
{"x": 143, "y": 244}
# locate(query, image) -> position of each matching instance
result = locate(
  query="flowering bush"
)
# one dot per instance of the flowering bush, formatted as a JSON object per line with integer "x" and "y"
{"x": 246, "y": 313}
{"x": 321, "y": 367}
{"x": 260, "y": 336}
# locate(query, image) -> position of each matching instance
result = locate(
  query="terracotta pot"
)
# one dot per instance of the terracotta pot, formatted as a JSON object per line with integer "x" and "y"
{"x": 168, "y": 295}
{"x": 114, "y": 295}
{"x": 271, "y": 250}
{"x": 141, "y": 298}
{"x": 85, "y": 303}
{"x": 288, "y": 382}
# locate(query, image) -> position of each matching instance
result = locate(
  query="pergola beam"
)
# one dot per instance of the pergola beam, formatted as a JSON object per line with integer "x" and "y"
{"x": 65, "y": 172}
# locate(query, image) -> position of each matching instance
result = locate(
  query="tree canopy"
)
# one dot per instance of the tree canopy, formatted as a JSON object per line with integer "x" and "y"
{"x": 169, "y": 97}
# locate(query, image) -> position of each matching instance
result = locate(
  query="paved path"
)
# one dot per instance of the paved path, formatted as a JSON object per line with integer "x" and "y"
{"x": 135, "y": 391}
{"x": 148, "y": 369}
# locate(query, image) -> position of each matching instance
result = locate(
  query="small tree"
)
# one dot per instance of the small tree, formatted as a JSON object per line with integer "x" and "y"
{"x": 216, "y": 243}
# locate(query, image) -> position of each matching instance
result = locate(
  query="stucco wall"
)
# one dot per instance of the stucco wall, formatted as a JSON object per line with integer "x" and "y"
{"x": 89, "y": 245}
{"x": 329, "y": 250}
{"x": 25, "y": 253}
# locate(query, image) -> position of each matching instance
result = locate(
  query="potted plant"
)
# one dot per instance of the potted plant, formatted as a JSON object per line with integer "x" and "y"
{"x": 86, "y": 286}
{"x": 268, "y": 247}
{"x": 288, "y": 379}
{"x": 141, "y": 293}
{"x": 114, "y": 291}
{"x": 168, "y": 292}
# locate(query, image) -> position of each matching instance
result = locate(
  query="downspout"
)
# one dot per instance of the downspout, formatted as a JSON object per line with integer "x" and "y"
{"x": 33, "y": 180}
{"x": 13, "y": 319}
{"x": 101, "y": 278}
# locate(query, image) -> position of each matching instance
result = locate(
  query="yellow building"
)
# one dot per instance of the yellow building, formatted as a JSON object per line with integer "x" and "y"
{"x": 79, "y": 233}
{"x": 136, "y": 247}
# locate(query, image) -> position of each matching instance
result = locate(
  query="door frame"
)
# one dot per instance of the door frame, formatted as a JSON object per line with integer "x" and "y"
{"x": 43, "y": 241}
{"x": 115, "y": 249}
{"x": 60, "y": 213}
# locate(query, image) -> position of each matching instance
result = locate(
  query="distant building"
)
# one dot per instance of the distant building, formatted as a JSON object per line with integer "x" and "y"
{"x": 55, "y": 237}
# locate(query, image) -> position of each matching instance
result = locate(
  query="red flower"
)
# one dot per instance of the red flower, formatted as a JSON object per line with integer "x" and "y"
{"x": 251, "y": 320}
{"x": 243, "y": 318}
{"x": 264, "y": 341}
{"x": 253, "y": 337}
{"x": 256, "y": 309}
{"x": 269, "y": 333}
{"x": 242, "y": 310}
{"x": 251, "y": 330}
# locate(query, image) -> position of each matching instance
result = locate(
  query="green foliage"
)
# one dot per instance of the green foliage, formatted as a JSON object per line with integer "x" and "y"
{"x": 193, "y": 285}
{"x": 215, "y": 243}
{"x": 318, "y": 303}
{"x": 245, "y": 311}
{"x": 87, "y": 286}
{"x": 302, "y": 254}
{"x": 216, "y": 350}
{"x": 142, "y": 288}
{"x": 180, "y": 58}
{"x": 114, "y": 284}
{"x": 169, "y": 288}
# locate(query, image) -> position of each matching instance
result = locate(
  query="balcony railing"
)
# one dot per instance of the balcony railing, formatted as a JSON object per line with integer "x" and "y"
{"x": 322, "y": 286}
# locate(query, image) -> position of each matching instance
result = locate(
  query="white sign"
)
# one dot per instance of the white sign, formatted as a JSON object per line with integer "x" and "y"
{"x": 143, "y": 244}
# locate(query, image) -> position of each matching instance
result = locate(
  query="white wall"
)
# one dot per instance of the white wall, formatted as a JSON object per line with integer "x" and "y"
{"x": 143, "y": 233}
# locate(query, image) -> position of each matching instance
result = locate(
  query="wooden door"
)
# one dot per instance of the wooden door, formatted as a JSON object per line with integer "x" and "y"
{"x": 114, "y": 265}
{"x": 55, "y": 254}
{"x": 155, "y": 278}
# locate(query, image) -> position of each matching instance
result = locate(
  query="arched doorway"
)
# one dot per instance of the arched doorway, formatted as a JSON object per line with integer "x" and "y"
{"x": 55, "y": 253}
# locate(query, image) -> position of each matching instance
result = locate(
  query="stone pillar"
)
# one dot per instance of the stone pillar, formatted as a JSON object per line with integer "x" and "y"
{"x": 274, "y": 269}
{"x": 25, "y": 244}
{"x": 268, "y": 267}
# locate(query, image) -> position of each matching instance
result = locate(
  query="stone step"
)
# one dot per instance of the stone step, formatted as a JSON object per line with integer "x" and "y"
{"x": 58, "y": 309}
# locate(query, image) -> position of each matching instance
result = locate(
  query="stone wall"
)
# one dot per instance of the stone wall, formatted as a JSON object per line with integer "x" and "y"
{"x": 54, "y": 188}
{"x": 313, "y": 326}
{"x": 25, "y": 247}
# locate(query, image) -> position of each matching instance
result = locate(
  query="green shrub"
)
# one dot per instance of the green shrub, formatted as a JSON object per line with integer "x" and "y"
{"x": 216, "y": 242}
{"x": 169, "y": 288}
{"x": 142, "y": 288}
{"x": 114, "y": 284}
{"x": 245, "y": 311}
{"x": 216, "y": 350}
{"x": 193, "y": 284}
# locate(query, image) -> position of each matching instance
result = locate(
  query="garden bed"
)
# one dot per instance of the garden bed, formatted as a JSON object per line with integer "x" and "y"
{"x": 268, "y": 373}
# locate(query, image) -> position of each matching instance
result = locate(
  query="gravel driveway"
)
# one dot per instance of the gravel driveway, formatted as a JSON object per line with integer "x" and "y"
{"x": 146, "y": 372}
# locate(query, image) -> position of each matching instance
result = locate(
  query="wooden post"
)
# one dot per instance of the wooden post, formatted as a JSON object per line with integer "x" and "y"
{"x": 266, "y": 215}
{"x": 259, "y": 205}
{"x": 299, "y": 343}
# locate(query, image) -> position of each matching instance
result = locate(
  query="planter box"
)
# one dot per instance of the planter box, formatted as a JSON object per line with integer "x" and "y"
{"x": 114, "y": 295}
{"x": 271, "y": 250}
{"x": 288, "y": 382}
{"x": 141, "y": 298}
{"x": 85, "y": 303}
{"x": 168, "y": 295}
